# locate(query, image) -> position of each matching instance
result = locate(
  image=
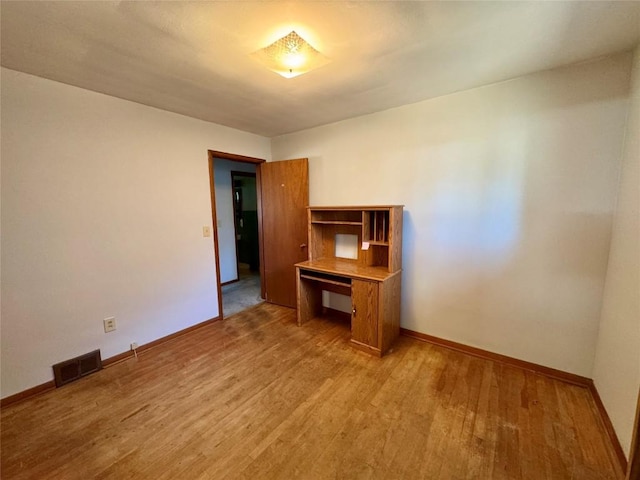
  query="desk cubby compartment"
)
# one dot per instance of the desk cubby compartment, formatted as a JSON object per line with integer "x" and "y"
{"x": 336, "y": 217}
{"x": 376, "y": 227}
{"x": 322, "y": 238}
{"x": 378, "y": 256}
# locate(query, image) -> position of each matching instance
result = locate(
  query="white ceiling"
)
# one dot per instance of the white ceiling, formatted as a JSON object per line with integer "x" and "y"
{"x": 193, "y": 57}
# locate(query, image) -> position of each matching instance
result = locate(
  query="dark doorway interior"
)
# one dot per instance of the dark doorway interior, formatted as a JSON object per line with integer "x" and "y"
{"x": 245, "y": 213}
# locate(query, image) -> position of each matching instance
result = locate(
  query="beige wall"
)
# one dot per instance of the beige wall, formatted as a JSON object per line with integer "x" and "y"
{"x": 509, "y": 192}
{"x": 617, "y": 367}
{"x": 103, "y": 204}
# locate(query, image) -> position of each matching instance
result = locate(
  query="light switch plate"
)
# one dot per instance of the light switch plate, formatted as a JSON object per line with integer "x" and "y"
{"x": 109, "y": 324}
{"x": 206, "y": 231}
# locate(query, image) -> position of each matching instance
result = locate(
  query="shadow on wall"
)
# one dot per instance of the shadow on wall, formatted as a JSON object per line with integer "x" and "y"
{"x": 477, "y": 206}
{"x": 508, "y": 249}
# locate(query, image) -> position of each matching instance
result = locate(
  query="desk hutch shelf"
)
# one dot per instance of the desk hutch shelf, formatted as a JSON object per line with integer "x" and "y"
{"x": 370, "y": 274}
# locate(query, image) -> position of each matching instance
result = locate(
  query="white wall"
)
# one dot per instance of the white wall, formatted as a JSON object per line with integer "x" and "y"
{"x": 616, "y": 373}
{"x": 103, "y": 204}
{"x": 508, "y": 191}
{"x": 224, "y": 211}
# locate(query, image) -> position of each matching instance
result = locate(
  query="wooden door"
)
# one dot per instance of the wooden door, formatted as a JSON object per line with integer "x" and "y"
{"x": 633, "y": 468}
{"x": 284, "y": 187}
{"x": 364, "y": 316}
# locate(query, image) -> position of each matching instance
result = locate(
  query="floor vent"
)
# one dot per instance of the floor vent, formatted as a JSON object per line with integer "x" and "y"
{"x": 70, "y": 370}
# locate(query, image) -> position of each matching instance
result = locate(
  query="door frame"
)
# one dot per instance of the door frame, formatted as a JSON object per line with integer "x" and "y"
{"x": 212, "y": 155}
{"x": 633, "y": 465}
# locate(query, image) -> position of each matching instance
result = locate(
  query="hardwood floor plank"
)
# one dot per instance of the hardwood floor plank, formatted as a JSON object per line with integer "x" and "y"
{"x": 482, "y": 449}
{"x": 256, "y": 396}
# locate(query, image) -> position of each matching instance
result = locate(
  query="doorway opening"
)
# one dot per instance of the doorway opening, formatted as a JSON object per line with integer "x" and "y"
{"x": 245, "y": 289}
{"x": 282, "y": 197}
{"x": 235, "y": 208}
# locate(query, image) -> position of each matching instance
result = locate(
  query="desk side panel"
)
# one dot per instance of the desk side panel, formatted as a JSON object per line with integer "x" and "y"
{"x": 309, "y": 299}
{"x": 390, "y": 311}
{"x": 395, "y": 239}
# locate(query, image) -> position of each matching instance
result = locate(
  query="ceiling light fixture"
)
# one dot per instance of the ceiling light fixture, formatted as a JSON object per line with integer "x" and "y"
{"x": 290, "y": 56}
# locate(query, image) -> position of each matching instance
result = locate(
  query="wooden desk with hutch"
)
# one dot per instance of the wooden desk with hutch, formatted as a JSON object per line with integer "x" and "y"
{"x": 372, "y": 280}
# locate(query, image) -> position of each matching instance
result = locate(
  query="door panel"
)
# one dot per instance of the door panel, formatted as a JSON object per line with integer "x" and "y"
{"x": 364, "y": 316}
{"x": 285, "y": 196}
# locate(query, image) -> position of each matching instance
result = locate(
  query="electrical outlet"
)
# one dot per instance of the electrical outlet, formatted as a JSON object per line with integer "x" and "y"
{"x": 109, "y": 324}
{"x": 206, "y": 231}
{"x": 134, "y": 346}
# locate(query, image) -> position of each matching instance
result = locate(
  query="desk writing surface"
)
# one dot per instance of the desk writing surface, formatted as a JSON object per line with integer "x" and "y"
{"x": 348, "y": 268}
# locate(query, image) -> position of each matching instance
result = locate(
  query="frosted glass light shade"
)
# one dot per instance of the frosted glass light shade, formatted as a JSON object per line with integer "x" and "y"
{"x": 290, "y": 56}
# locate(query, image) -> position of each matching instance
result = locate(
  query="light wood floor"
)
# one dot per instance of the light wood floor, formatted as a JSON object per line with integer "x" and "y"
{"x": 257, "y": 397}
